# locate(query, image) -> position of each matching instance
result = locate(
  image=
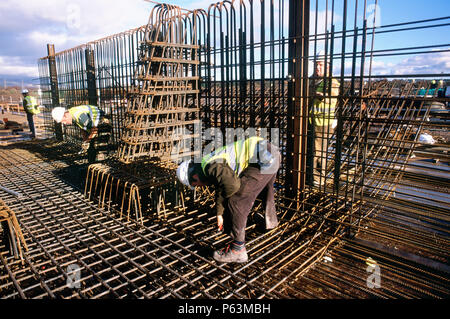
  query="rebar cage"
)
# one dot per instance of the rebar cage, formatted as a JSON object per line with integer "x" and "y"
{"x": 249, "y": 67}
{"x": 256, "y": 70}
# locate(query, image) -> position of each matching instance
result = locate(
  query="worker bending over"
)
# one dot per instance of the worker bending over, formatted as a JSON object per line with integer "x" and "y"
{"x": 240, "y": 172}
{"x": 86, "y": 117}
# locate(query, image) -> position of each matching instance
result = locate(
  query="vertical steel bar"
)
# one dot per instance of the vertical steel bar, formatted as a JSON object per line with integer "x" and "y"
{"x": 54, "y": 87}
{"x": 340, "y": 104}
{"x": 91, "y": 82}
{"x": 297, "y": 95}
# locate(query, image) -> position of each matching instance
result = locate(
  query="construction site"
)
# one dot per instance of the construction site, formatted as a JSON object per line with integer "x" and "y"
{"x": 115, "y": 222}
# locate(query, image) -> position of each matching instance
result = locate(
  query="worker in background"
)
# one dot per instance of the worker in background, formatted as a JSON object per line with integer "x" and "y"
{"x": 322, "y": 121}
{"x": 86, "y": 117}
{"x": 31, "y": 108}
{"x": 239, "y": 172}
{"x": 434, "y": 84}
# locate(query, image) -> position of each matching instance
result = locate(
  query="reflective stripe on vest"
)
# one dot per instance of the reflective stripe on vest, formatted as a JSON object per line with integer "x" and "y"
{"x": 77, "y": 111}
{"x": 31, "y": 105}
{"x": 237, "y": 155}
{"x": 323, "y": 110}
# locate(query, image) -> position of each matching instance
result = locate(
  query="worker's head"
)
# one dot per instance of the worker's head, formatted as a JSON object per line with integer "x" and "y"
{"x": 61, "y": 115}
{"x": 190, "y": 174}
{"x": 25, "y": 92}
{"x": 319, "y": 67}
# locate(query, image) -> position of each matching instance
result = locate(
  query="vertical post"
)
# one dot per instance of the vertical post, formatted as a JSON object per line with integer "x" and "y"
{"x": 54, "y": 87}
{"x": 90, "y": 72}
{"x": 297, "y": 95}
{"x": 339, "y": 128}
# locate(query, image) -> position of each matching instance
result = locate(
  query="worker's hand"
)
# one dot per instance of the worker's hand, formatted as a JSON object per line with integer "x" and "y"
{"x": 93, "y": 133}
{"x": 363, "y": 106}
{"x": 220, "y": 223}
{"x": 84, "y": 147}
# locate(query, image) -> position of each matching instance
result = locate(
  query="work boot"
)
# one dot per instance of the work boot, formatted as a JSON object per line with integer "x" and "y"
{"x": 270, "y": 217}
{"x": 231, "y": 255}
{"x": 271, "y": 221}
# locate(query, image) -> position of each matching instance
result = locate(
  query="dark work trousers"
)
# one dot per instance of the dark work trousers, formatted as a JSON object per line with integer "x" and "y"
{"x": 253, "y": 182}
{"x": 322, "y": 135}
{"x": 92, "y": 152}
{"x": 31, "y": 124}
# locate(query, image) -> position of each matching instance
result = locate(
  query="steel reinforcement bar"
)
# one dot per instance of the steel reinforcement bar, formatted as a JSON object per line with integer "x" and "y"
{"x": 117, "y": 258}
{"x": 78, "y": 250}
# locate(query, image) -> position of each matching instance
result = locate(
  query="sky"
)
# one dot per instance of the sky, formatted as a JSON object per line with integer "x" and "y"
{"x": 26, "y": 26}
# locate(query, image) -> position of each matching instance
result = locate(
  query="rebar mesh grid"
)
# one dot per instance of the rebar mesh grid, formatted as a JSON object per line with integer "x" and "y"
{"x": 255, "y": 72}
{"x": 169, "y": 256}
{"x": 123, "y": 258}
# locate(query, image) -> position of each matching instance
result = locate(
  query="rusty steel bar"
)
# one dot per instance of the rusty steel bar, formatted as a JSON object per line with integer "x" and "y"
{"x": 300, "y": 248}
{"x": 63, "y": 198}
{"x": 11, "y": 229}
{"x": 135, "y": 193}
{"x": 72, "y": 253}
{"x": 164, "y": 102}
{"x": 382, "y": 186}
{"x": 54, "y": 88}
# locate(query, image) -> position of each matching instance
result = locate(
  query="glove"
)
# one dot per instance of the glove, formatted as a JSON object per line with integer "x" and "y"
{"x": 334, "y": 124}
{"x": 84, "y": 148}
{"x": 318, "y": 96}
{"x": 220, "y": 223}
{"x": 104, "y": 121}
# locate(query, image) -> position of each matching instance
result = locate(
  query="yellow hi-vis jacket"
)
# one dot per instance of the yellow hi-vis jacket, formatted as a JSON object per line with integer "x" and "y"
{"x": 323, "y": 110}
{"x": 237, "y": 155}
{"x": 85, "y": 116}
{"x": 30, "y": 105}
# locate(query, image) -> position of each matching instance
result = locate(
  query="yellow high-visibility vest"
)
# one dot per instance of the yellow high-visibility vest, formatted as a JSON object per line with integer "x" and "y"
{"x": 94, "y": 116}
{"x": 323, "y": 111}
{"x": 31, "y": 105}
{"x": 237, "y": 155}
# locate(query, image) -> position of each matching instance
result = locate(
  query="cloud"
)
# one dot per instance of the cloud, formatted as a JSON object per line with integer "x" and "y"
{"x": 77, "y": 20}
{"x": 93, "y": 16}
{"x": 14, "y": 66}
{"x": 21, "y": 15}
{"x": 430, "y": 63}
{"x": 27, "y": 26}
{"x": 40, "y": 37}
{"x": 422, "y": 64}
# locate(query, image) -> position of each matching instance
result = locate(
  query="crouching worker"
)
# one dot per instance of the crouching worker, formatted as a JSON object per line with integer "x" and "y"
{"x": 239, "y": 172}
{"x": 86, "y": 117}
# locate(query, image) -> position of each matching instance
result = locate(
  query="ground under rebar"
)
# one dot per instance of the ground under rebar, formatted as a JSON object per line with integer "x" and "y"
{"x": 77, "y": 249}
